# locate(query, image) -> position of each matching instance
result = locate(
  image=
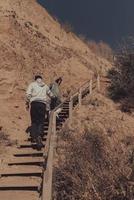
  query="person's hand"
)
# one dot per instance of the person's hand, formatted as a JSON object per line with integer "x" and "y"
{"x": 54, "y": 97}
{"x": 27, "y": 106}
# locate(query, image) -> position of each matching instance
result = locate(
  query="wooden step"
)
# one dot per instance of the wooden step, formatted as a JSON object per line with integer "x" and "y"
{"x": 44, "y": 138}
{"x": 46, "y": 123}
{"x": 27, "y": 161}
{"x": 21, "y": 171}
{"x": 66, "y": 103}
{"x": 28, "y": 152}
{"x": 19, "y": 183}
{"x": 64, "y": 107}
{"x": 28, "y": 144}
{"x": 63, "y": 114}
{"x": 21, "y": 195}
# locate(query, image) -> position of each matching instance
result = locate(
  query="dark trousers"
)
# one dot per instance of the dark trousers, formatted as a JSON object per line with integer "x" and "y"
{"x": 37, "y": 112}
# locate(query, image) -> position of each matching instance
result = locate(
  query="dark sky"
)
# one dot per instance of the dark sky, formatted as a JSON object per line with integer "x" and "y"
{"x": 107, "y": 20}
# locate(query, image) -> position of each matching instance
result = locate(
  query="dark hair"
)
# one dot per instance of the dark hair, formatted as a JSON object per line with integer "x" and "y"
{"x": 37, "y": 76}
{"x": 59, "y": 80}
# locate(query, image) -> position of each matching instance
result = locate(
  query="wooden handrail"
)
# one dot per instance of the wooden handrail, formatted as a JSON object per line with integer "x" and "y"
{"x": 98, "y": 83}
{"x": 70, "y": 108}
{"x": 48, "y": 136}
{"x": 46, "y": 185}
{"x": 50, "y": 143}
{"x": 76, "y": 94}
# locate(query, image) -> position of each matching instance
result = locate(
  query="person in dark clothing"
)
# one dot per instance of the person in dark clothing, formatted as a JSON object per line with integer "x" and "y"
{"x": 36, "y": 96}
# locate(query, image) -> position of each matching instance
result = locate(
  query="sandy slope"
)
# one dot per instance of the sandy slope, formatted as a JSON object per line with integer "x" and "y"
{"x": 31, "y": 42}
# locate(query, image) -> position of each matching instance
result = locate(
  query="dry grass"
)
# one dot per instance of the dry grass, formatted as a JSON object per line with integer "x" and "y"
{"x": 68, "y": 28}
{"x": 101, "y": 48}
{"x": 4, "y": 138}
{"x": 95, "y": 157}
{"x": 122, "y": 76}
{"x": 87, "y": 168}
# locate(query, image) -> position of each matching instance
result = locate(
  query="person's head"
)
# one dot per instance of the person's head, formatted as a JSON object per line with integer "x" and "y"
{"x": 38, "y": 78}
{"x": 58, "y": 81}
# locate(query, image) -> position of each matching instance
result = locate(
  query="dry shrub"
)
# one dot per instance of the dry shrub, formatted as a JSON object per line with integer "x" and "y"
{"x": 91, "y": 169}
{"x": 116, "y": 89}
{"x": 68, "y": 28}
{"x": 122, "y": 75}
{"x": 128, "y": 140}
{"x": 72, "y": 178}
{"x": 101, "y": 49}
{"x": 94, "y": 101}
{"x": 66, "y": 135}
{"x": 28, "y": 24}
{"x": 4, "y": 139}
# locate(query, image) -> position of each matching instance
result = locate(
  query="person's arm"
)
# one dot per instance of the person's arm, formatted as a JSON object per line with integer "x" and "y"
{"x": 49, "y": 93}
{"x": 28, "y": 95}
{"x": 51, "y": 85}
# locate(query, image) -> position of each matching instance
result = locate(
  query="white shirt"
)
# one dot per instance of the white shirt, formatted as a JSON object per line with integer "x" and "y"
{"x": 38, "y": 92}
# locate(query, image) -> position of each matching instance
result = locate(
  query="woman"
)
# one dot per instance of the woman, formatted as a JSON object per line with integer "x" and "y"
{"x": 54, "y": 87}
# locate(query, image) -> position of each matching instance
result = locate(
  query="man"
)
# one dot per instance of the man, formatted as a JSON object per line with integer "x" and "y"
{"x": 54, "y": 87}
{"x": 36, "y": 95}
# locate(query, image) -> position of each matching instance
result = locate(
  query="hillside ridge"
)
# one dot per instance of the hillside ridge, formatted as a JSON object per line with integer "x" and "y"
{"x": 32, "y": 42}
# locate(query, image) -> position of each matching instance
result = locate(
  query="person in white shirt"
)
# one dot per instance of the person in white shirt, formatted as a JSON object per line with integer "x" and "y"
{"x": 36, "y": 98}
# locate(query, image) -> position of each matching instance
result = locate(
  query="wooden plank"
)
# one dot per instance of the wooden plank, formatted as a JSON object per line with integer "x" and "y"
{"x": 21, "y": 171}
{"x": 98, "y": 83}
{"x": 30, "y": 152}
{"x": 19, "y": 183}
{"x": 65, "y": 103}
{"x": 75, "y": 95}
{"x": 65, "y": 107}
{"x": 29, "y": 145}
{"x": 45, "y": 128}
{"x": 44, "y": 138}
{"x": 70, "y": 109}
{"x": 48, "y": 174}
{"x": 46, "y": 149}
{"x": 80, "y": 97}
{"x": 26, "y": 161}
{"x": 21, "y": 195}
{"x": 47, "y": 177}
{"x": 54, "y": 128}
{"x": 27, "y": 142}
{"x": 64, "y": 111}
{"x": 63, "y": 114}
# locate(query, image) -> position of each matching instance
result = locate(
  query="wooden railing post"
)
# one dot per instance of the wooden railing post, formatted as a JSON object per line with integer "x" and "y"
{"x": 98, "y": 82}
{"x": 80, "y": 97}
{"x": 70, "y": 109}
{"x": 54, "y": 124}
{"x": 90, "y": 86}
